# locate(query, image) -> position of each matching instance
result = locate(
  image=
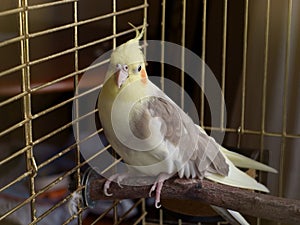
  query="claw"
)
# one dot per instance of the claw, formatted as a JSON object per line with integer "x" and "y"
{"x": 118, "y": 178}
{"x": 118, "y": 182}
{"x": 158, "y": 184}
{"x": 107, "y": 194}
{"x": 106, "y": 187}
{"x": 157, "y": 204}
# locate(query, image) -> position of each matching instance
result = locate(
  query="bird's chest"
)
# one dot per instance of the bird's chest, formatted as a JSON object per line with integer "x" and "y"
{"x": 151, "y": 163}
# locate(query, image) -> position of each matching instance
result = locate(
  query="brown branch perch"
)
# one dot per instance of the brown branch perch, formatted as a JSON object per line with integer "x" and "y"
{"x": 246, "y": 202}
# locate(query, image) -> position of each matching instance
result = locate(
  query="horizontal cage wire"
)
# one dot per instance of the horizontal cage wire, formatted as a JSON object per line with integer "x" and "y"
{"x": 54, "y": 57}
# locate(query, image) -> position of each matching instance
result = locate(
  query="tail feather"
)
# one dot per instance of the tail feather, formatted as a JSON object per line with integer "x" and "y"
{"x": 245, "y": 162}
{"x": 242, "y": 161}
{"x": 237, "y": 178}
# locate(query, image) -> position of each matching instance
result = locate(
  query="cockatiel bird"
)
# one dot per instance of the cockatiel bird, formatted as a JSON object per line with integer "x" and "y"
{"x": 154, "y": 136}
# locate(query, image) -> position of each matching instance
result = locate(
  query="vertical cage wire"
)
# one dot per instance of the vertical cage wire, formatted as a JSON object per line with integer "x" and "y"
{"x": 163, "y": 30}
{"x": 145, "y": 21}
{"x": 285, "y": 90}
{"x": 224, "y": 64}
{"x": 265, "y": 74}
{"x": 76, "y": 106}
{"x": 114, "y": 2}
{"x": 183, "y": 22}
{"x": 264, "y": 85}
{"x": 203, "y": 63}
{"x": 25, "y": 59}
{"x": 142, "y": 218}
{"x": 244, "y": 69}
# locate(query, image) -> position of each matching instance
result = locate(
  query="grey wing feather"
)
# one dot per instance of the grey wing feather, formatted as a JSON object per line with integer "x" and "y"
{"x": 199, "y": 152}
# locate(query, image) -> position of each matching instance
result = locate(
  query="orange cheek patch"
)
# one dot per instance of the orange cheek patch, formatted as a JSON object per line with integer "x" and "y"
{"x": 144, "y": 76}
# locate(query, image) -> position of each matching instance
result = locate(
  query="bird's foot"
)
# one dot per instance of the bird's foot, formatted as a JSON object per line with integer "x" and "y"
{"x": 158, "y": 184}
{"x": 117, "y": 178}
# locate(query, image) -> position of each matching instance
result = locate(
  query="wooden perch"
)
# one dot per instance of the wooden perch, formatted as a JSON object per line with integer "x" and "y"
{"x": 244, "y": 201}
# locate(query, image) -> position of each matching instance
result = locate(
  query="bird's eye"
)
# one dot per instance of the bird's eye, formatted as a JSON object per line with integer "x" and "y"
{"x": 139, "y": 68}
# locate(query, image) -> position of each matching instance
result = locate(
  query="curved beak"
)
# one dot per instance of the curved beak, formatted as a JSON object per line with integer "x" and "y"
{"x": 121, "y": 74}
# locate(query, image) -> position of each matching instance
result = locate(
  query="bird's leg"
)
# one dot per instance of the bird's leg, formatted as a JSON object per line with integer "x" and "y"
{"x": 158, "y": 184}
{"x": 116, "y": 177}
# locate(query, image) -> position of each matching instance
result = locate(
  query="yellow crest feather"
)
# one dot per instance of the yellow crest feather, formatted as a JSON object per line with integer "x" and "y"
{"x": 139, "y": 35}
{"x": 128, "y": 53}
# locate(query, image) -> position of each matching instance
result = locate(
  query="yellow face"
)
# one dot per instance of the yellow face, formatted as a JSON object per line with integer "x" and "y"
{"x": 127, "y": 74}
{"x": 133, "y": 76}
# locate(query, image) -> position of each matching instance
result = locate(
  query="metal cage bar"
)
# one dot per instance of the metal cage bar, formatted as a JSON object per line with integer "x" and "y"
{"x": 163, "y": 37}
{"x": 224, "y": 48}
{"x": 25, "y": 59}
{"x": 244, "y": 69}
{"x": 183, "y": 22}
{"x": 285, "y": 90}
{"x": 203, "y": 63}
